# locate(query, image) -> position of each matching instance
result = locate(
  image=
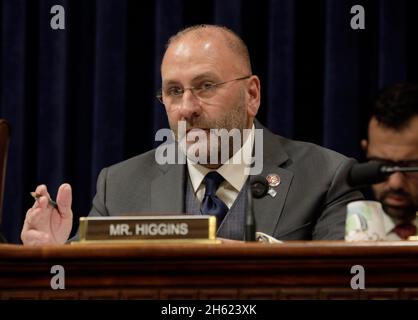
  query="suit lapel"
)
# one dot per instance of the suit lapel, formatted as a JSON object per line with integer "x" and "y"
{"x": 167, "y": 190}
{"x": 267, "y": 210}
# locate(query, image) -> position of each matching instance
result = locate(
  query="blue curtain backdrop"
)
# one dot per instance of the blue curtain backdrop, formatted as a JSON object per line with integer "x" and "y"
{"x": 83, "y": 98}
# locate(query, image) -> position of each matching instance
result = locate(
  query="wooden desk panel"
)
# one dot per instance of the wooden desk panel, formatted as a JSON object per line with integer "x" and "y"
{"x": 294, "y": 270}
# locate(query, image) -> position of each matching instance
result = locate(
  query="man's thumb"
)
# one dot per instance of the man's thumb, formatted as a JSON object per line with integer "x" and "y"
{"x": 64, "y": 198}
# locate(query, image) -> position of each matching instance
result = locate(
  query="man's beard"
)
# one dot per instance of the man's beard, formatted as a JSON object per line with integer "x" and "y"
{"x": 405, "y": 212}
{"x": 236, "y": 118}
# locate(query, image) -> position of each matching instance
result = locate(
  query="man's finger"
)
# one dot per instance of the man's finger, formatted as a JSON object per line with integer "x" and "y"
{"x": 64, "y": 200}
{"x": 42, "y": 190}
{"x": 35, "y": 216}
{"x": 43, "y": 202}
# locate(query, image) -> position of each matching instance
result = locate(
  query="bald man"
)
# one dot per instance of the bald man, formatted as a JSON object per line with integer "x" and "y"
{"x": 207, "y": 84}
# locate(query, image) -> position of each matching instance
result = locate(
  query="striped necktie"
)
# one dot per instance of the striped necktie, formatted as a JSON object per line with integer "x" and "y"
{"x": 211, "y": 204}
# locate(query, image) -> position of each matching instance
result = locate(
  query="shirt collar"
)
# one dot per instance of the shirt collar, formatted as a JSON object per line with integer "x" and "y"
{"x": 390, "y": 223}
{"x": 233, "y": 171}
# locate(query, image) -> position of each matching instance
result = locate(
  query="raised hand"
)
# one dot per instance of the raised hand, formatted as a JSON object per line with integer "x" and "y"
{"x": 45, "y": 224}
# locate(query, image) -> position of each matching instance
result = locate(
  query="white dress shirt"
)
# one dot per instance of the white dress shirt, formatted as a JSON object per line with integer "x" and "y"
{"x": 233, "y": 172}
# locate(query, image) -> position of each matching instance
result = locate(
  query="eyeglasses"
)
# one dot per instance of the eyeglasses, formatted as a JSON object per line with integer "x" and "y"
{"x": 204, "y": 91}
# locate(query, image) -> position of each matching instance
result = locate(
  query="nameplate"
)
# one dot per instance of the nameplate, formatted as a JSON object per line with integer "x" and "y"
{"x": 148, "y": 228}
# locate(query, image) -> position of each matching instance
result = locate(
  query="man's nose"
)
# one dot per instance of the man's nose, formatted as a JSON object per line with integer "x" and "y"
{"x": 396, "y": 180}
{"x": 189, "y": 106}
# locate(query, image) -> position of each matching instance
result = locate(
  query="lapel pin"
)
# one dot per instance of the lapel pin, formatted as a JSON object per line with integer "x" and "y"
{"x": 273, "y": 180}
{"x": 272, "y": 192}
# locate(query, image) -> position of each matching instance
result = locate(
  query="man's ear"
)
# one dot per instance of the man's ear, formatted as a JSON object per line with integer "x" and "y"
{"x": 364, "y": 144}
{"x": 253, "y": 96}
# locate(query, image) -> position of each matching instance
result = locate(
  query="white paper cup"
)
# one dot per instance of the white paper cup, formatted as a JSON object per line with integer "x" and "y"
{"x": 364, "y": 221}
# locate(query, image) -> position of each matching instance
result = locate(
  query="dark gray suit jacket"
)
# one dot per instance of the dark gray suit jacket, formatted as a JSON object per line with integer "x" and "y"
{"x": 310, "y": 202}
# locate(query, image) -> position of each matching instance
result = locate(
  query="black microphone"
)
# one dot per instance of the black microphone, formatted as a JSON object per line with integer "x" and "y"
{"x": 258, "y": 188}
{"x": 363, "y": 174}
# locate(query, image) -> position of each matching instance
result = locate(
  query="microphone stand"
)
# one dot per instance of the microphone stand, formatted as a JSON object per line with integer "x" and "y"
{"x": 249, "y": 217}
{"x": 390, "y": 170}
{"x": 257, "y": 188}
{"x": 372, "y": 172}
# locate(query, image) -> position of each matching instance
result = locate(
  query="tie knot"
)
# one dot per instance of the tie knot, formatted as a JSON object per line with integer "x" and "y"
{"x": 212, "y": 182}
{"x": 405, "y": 230}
